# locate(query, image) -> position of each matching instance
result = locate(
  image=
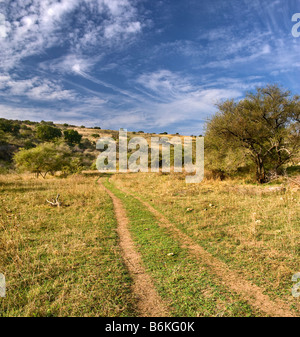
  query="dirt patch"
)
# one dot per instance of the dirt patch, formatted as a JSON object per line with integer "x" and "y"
{"x": 149, "y": 302}
{"x": 231, "y": 279}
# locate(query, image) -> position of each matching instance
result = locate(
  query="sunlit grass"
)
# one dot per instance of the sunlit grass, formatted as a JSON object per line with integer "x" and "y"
{"x": 60, "y": 261}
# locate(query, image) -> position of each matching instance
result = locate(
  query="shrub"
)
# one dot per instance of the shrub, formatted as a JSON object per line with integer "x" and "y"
{"x": 72, "y": 137}
{"x": 28, "y": 144}
{"x": 9, "y": 126}
{"x": 43, "y": 159}
{"x": 47, "y": 132}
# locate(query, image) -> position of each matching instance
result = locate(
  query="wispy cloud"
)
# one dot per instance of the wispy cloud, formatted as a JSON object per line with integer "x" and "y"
{"x": 27, "y": 29}
{"x": 34, "y": 88}
{"x": 182, "y": 99}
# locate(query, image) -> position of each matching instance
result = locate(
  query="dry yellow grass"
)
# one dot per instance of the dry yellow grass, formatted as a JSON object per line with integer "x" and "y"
{"x": 60, "y": 261}
{"x": 66, "y": 261}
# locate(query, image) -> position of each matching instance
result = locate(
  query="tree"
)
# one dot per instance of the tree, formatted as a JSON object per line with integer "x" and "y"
{"x": 72, "y": 137}
{"x": 44, "y": 158}
{"x": 47, "y": 132}
{"x": 265, "y": 125}
{"x": 9, "y": 126}
{"x": 221, "y": 158}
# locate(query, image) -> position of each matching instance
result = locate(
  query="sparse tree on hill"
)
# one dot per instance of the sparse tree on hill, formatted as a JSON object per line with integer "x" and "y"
{"x": 72, "y": 137}
{"x": 47, "y": 132}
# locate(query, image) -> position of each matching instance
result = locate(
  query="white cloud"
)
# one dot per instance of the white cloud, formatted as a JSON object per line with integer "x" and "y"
{"x": 4, "y": 26}
{"x": 49, "y": 92}
{"x": 70, "y": 63}
{"x": 165, "y": 83}
{"x": 28, "y": 29}
{"x": 181, "y": 99}
{"x": 34, "y": 88}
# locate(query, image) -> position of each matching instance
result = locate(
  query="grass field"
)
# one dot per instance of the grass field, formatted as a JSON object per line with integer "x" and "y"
{"x": 66, "y": 261}
{"x": 61, "y": 261}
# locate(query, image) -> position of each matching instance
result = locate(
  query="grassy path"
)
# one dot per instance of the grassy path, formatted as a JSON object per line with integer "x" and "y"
{"x": 252, "y": 293}
{"x": 186, "y": 283}
{"x": 149, "y": 303}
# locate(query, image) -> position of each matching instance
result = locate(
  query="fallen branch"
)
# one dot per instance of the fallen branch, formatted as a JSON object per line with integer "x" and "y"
{"x": 55, "y": 202}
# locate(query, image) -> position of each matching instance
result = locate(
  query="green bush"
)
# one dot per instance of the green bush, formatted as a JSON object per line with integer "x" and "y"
{"x": 45, "y": 158}
{"x": 47, "y": 132}
{"x": 9, "y": 126}
{"x": 72, "y": 137}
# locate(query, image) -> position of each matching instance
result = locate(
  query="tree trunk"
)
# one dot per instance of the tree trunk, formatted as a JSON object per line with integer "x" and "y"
{"x": 260, "y": 171}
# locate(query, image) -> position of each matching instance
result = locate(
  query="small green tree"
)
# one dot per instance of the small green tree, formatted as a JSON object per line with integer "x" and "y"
{"x": 47, "y": 132}
{"x": 43, "y": 159}
{"x": 72, "y": 137}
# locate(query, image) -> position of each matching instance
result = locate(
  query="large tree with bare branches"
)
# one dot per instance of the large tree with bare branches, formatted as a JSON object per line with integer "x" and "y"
{"x": 265, "y": 124}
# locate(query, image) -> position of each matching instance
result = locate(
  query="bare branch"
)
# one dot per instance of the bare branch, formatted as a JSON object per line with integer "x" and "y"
{"x": 55, "y": 202}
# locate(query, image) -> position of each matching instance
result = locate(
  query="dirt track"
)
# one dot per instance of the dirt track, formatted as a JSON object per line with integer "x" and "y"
{"x": 149, "y": 302}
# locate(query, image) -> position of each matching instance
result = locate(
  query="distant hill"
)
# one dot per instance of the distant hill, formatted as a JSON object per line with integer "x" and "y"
{"x": 18, "y": 134}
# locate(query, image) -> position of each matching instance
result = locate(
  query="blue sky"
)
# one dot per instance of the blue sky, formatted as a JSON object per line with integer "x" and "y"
{"x": 138, "y": 64}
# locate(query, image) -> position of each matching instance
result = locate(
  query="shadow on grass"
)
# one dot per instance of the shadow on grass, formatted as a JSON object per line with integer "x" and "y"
{"x": 23, "y": 189}
{"x": 97, "y": 174}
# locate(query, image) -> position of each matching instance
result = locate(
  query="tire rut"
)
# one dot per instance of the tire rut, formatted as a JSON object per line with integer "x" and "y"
{"x": 149, "y": 302}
